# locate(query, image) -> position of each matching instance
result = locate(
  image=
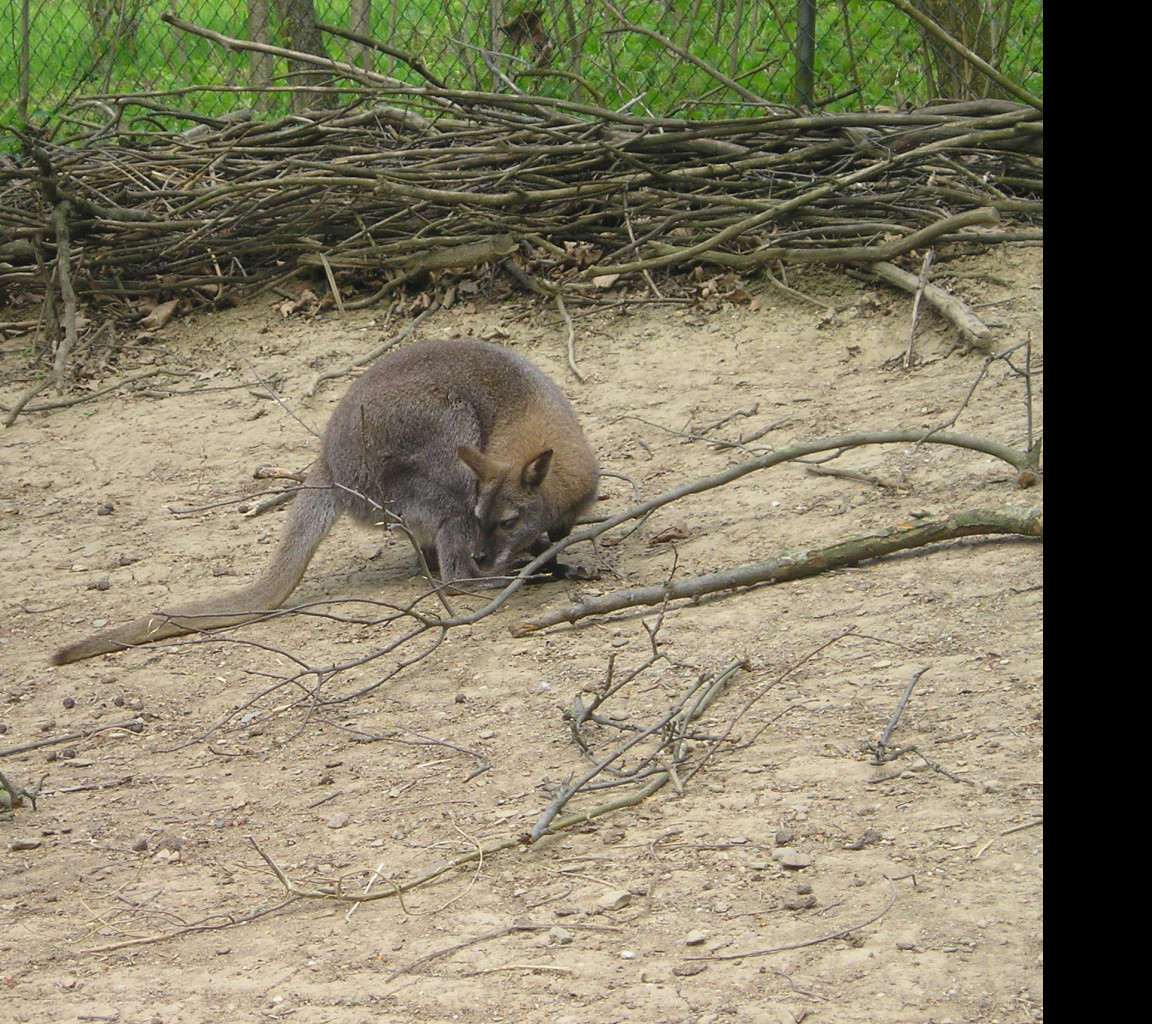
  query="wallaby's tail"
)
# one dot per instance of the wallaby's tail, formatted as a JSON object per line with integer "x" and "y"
{"x": 314, "y": 510}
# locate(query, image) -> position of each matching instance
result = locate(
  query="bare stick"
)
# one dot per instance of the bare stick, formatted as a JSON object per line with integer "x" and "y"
{"x": 851, "y": 474}
{"x": 24, "y": 399}
{"x": 701, "y": 431}
{"x": 900, "y": 707}
{"x": 1028, "y": 387}
{"x": 679, "y": 716}
{"x": 687, "y": 55}
{"x": 930, "y": 26}
{"x": 921, "y": 284}
{"x": 960, "y": 314}
{"x": 519, "y": 926}
{"x": 67, "y": 292}
{"x": 332, "y": 286}
{"x": 68, "y": 737}
{"x": 212, "y": 923}
{"x": 327, "y": 63}
{"x": 1026, "y": 523}
{"x": 571, "y": 336}
{"x": 630, "y": 799}
{"x": 63, "y": 403}
{"x": 758, "y": 695}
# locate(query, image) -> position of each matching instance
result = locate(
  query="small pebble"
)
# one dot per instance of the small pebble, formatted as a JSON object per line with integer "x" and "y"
{"x": 789, "y": 858}
{"x": 23, "y": 844}
{"x": 799, "y": 902}
{"x": 614, "y": 900}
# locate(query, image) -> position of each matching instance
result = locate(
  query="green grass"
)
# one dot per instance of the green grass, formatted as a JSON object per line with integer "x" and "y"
{"x": 867, "y": 46}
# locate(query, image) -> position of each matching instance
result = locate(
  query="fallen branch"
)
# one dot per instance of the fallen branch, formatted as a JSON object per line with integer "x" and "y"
{"x": 973, "y": 58}
{"x": 134, "y": 726}
{"x": 671, "y": 728}
{"x": 1025, "y": 523}
{"x": 970, "y": 325}
{"x": 518, "y": 926}
{"x": 918, "y": 295}
{"x": 630, "y": 799}
{"x": 88, "y": 396}
{"x": 708, "y": 251}
{"x": 212, "y": 923}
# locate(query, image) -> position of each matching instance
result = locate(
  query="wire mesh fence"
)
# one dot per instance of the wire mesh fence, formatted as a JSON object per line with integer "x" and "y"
{"x": 686, "y": 58}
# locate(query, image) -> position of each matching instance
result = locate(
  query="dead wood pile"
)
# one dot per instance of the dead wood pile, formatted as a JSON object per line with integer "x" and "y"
{"x": 376, "y": 195}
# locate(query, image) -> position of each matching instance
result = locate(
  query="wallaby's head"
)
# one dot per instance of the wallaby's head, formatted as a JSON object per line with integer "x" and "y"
{"x": 511, "y": 512}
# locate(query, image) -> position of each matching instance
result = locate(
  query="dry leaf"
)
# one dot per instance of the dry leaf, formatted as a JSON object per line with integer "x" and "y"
{"x": 159, "y": 316}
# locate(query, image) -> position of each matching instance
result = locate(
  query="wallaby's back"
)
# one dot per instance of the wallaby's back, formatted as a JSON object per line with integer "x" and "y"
{"x": 475, "y": 449}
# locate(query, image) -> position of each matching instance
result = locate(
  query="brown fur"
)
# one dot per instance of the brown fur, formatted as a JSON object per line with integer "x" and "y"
{"x": 468, "y": 443}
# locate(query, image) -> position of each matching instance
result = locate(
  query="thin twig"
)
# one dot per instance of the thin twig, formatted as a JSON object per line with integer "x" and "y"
{"x": 63, "y": 403}
{"x": 812, "y": 942}
{"x": 559, "y": 299}
{"x": 921, "y": 284}
{"x": 135, "y": 727}
{"x": 900, "y": 707}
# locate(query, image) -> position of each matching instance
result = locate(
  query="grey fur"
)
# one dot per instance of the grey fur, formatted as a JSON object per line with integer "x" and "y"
{"x": 473, "y": 447}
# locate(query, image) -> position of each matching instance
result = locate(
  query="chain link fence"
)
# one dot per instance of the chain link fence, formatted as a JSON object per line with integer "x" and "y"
{"x": 687, "y": 58}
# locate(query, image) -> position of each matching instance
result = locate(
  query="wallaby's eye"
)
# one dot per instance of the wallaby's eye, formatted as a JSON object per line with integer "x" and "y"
{"x": 509, "y": 523}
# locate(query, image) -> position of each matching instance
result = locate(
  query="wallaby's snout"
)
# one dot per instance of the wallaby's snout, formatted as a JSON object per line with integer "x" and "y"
{"x": 511, "y": 511}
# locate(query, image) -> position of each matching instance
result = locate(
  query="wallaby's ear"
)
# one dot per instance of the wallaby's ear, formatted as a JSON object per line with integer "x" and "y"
{"x": 535, "y": 470}
{"x": 484, "y": 467}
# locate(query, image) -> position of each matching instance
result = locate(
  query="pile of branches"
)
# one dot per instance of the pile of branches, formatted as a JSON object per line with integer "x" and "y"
{"x": 405, "y": 181}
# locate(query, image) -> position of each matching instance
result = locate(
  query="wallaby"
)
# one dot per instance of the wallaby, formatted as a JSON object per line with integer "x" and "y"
{"x": 476, "y": 451}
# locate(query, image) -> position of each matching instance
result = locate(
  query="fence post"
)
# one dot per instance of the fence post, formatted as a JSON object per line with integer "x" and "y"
{"x": 25, "y": 59}
{"x": 805, "y": 52}
{"x": 360, "y": 22}
{"x": 261, "y": 64}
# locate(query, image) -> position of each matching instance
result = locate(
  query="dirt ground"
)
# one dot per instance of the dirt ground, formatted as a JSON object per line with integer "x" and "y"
{"x": 789, "y": 879}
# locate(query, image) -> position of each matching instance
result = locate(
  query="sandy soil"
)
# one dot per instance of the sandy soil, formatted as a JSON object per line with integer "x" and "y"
{"x": 675, "y": 910}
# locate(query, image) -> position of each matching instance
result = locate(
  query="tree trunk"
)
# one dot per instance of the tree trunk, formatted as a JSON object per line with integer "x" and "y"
{"x": 979, "y": 25}
{"x": 312, "y": 87}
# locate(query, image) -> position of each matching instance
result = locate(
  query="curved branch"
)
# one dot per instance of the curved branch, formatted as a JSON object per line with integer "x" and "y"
{"x": 1024, "y": 462}
{"x": 903, "y": 537}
